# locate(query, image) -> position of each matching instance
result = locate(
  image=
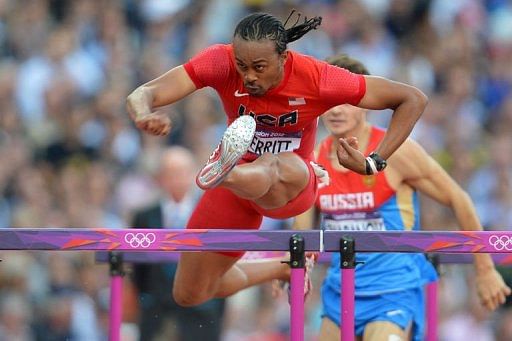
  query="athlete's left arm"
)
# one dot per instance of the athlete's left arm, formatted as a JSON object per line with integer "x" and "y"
{"x": 424, "y": 174}
{"x": 406, "y": 101}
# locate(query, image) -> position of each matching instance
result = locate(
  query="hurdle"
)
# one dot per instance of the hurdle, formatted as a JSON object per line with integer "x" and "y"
{"x": 348, "y": 243}
{"x": 431, "y": 290}
{"x": 118, "y": 240}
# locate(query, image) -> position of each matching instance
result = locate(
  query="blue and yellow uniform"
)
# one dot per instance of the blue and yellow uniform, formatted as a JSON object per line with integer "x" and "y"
{"x": 388, "y": 286}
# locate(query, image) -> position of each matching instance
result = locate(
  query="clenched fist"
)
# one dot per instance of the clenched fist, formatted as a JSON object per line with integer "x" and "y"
{"x": 155, "y": 123}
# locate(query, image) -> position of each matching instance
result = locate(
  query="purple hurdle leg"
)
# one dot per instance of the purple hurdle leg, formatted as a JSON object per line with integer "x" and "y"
{"x": 116, "y": 295}
{"x": 431, "y": 298}
{"x": 347, "y": 265}
{"x": 297, "y": 264}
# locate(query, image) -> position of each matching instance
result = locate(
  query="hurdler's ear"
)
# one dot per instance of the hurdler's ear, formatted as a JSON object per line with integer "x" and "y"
{"x": 283, "y": 56}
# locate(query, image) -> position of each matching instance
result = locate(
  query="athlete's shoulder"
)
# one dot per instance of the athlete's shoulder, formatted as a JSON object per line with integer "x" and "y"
{"x": 326, "y": 141}
{"x": 211, "y": 66}
{"x": 306, "y": 64}
{"x": 301, "y": 57}
{"x": 225, "y": 48}
{"x": 409, "y": 153}
{"x": 218, "y": 52}
{"x": 339, "y": 85}
{"x": 413, "y": 148}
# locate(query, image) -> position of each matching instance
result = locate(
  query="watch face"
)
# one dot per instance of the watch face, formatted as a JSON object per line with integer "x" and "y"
{"x": 382, "y": 165}
{"x": 379, "y": 161}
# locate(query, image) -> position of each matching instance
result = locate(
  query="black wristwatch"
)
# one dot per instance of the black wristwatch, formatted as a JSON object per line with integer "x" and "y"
{"x": 375, "y": 163}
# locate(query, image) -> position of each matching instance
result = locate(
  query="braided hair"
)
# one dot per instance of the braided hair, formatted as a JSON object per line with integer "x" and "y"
{"x": 258, "y": 26}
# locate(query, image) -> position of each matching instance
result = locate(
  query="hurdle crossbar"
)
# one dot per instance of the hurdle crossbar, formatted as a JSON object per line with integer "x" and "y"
{"x": 424, "y": 241}
{"x": 91, "y": 239}
{"x": 148, "y": 257}
{"x": 118, "y": 240}
{"x": 75, "y": 239}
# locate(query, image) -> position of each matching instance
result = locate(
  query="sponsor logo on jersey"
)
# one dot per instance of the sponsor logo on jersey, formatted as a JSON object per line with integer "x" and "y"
{"x": 369, "y": 180}
{"x": 240, "y": 94}
{"x": 354, "y": 225}
{"x": 355, "y": 221}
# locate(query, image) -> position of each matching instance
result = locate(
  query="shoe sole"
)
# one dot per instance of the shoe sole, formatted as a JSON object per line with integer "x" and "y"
{"x": 234, "y": 144}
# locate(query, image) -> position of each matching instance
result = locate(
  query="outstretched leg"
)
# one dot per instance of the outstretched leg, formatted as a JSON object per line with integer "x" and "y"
{"x": 271, "y": 181}
{"x": 203, "y": 276}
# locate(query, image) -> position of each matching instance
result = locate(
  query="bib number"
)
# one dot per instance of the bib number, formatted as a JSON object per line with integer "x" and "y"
{"x": 272, "y": 142}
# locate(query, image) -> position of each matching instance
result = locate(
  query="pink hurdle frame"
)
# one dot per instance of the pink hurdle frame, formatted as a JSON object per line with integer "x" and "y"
{"x": 115, "y": 260}
{"x": 297, "y": 264}
{"x": 347, "y": 265}
{"x": 431, "y": 311}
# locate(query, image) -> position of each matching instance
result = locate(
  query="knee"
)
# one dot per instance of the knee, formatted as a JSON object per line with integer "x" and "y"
{"x": 292, "y": 168}
{"x": 187, "y": 297}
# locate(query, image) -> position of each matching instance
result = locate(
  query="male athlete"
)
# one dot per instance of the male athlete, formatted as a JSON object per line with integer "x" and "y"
{"x": 389, "y": 302}
{"x": 272, "y": 98}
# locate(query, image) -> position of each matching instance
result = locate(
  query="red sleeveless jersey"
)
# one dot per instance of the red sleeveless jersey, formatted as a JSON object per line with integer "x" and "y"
{"x": 287, "y": 115}
{"x": 350, "y": 192}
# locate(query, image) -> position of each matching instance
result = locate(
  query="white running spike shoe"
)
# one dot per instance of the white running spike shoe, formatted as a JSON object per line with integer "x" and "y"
{"x": 234, "y": 144}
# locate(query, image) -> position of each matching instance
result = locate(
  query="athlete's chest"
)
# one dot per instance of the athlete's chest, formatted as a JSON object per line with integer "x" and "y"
{"x": 281, "y": 112}
{"x": 352, "y": 192}
{"x": 352, "y": 203}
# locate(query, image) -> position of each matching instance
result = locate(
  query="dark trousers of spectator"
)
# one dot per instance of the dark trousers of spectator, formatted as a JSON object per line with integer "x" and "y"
{"x": 202, "y": 323}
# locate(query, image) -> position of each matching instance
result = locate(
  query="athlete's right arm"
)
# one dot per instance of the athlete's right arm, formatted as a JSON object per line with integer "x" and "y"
{"x": 423, "y": 173}
{"x": 143, "y": 102}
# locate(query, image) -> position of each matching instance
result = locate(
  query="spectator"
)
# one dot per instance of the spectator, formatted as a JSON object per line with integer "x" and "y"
{"x": 160, "y": 315}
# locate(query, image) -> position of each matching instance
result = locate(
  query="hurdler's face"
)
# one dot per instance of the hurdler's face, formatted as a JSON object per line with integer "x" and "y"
{"x": 259, "y": 64}
{"x": 343, "y": 120}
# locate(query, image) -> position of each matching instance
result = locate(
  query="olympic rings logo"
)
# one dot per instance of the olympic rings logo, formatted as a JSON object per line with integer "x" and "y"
{"x": 501, "y": 242}
{"x": 140, "y": 239}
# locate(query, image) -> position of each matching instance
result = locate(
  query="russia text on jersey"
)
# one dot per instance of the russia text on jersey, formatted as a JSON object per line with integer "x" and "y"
{"x": 348, "y": 201}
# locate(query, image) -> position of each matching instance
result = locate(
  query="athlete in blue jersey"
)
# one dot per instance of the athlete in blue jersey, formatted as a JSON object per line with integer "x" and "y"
{"x": 389, "y": 303}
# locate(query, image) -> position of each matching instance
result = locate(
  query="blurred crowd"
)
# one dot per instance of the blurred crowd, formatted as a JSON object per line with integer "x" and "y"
{"x": 72, "y": 158}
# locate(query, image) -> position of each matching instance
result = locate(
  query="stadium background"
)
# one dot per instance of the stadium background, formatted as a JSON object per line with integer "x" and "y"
{"x": 71, "y": 157}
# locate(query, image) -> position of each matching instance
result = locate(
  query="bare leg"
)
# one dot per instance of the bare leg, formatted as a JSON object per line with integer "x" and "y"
{"x": 203, "y": 276}
{"x": 329, "y": 331}
{"x": 384, "y": 331}
{"x": 270, "y": 181}
{"x": 245, "y": 274}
